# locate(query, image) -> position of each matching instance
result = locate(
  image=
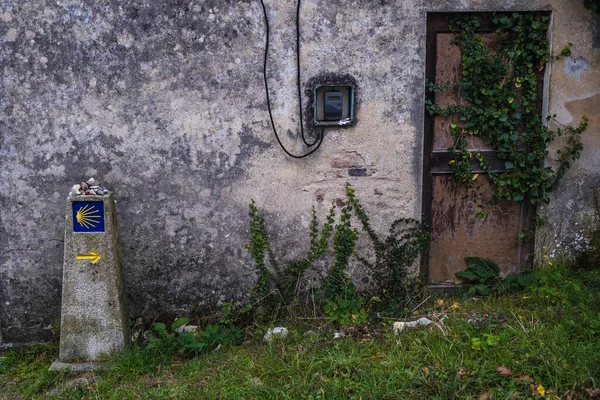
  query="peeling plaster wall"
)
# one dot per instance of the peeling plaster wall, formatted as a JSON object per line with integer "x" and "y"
{"x": 163, "y": 103}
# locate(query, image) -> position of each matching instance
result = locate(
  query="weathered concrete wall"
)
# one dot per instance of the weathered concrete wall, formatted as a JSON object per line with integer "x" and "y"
{"x": 164, "y": 103}
{"x": 574, "y": 92}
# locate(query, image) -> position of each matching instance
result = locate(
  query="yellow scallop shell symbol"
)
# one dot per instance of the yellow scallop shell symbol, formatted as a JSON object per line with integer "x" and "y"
{"x": 86, "y": 216}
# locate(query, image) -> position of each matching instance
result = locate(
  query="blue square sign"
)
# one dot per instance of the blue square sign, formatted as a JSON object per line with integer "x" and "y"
{"x": 88, "y": 216}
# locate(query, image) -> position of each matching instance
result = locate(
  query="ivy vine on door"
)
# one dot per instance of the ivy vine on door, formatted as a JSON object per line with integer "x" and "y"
{"x": 461, "y": 204}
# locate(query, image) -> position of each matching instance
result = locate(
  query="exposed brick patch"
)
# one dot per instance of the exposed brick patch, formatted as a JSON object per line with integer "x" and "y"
{"x": 348, "y": 159}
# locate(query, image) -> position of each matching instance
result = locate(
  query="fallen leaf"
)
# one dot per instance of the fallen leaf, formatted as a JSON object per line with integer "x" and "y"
{"x": 504, "y": 371}
{"x": 523, "y": 378}
{"x": 540, "y": 389}
{"x": 349, "y": 330}
{"x": 486, "y": 395}
{"x": 537, "y": 390}
{"x": 425, "y": 371}
{"x": 567, "y": 395}
{"x": 592, "y": 392}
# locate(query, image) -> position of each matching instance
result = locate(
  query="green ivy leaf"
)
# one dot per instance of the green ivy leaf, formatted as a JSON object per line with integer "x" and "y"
{"x": 518, "y": 197}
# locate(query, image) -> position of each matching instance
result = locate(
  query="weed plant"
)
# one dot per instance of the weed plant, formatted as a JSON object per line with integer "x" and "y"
{"x": 483, "y": 276}
{"x": 278, "y": 293}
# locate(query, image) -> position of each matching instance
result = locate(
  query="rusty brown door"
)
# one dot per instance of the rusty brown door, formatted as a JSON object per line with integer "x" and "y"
{"x": 456, "y": 232}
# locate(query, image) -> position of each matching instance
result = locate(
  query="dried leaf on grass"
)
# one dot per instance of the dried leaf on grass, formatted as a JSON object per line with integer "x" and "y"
{"x": 504, "y": 371}
{"x": 523, "y": 378}
{"x": 567, "y": 395}
{"x": 593, "y": 393}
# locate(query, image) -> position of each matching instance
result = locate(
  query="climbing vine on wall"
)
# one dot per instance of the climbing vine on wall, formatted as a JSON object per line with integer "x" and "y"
{"x": 501, "y": 89}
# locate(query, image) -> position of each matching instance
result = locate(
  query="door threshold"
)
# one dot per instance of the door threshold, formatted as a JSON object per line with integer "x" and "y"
{"x": 446, "y": 289}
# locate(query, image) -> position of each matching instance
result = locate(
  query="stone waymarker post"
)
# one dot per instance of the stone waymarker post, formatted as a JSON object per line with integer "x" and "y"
{"x": 94, "y": 320}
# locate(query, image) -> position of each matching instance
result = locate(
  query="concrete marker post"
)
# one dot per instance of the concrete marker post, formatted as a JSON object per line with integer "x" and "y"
{"x": 94, "y": 319}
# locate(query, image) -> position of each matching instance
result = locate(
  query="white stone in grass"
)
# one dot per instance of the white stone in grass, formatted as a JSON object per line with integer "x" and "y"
{"x": 186, "y": 328}
{"x": 277, "y": 331}
{"x": 400, "y": 325}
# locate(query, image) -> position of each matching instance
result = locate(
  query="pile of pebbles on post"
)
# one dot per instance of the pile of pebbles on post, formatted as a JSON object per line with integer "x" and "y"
{"x": 89, "y": 187}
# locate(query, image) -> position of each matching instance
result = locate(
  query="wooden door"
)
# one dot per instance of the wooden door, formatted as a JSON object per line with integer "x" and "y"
{"x": 449, "y": 211}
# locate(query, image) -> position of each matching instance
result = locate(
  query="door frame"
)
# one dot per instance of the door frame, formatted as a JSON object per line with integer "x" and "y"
{"x": 438, "y": 162}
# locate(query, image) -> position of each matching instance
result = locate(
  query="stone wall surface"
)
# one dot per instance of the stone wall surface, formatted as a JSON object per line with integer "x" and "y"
{"x": 574, "y": 92}
{"x": 163, "y": 102}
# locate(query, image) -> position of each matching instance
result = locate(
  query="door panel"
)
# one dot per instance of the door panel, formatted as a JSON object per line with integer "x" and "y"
{"x": 448, "y": 69}
{"x": 456, "y": 232}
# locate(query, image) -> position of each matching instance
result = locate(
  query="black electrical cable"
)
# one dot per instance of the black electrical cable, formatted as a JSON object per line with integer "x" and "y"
{"x": 318, "y": 140}
{"x": 298, "y": 74}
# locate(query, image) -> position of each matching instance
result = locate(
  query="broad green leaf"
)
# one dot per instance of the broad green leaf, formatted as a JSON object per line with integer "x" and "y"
{"x": 159, "y": 327}
{"x": 178, "y": 323}
{"x": 468, "y": 275}
{"x": 482, "y": 267}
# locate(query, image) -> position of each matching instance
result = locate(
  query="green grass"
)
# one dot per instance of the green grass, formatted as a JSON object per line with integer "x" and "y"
{"x": 502, "y": 348}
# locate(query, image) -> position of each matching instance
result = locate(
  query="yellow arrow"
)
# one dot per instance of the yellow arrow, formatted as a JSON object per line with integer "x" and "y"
{"x": 93, "y": 257}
